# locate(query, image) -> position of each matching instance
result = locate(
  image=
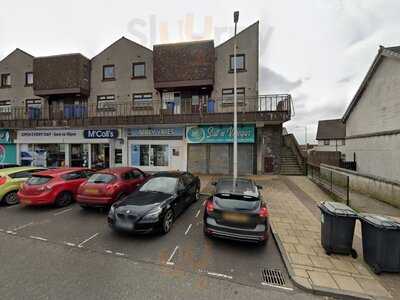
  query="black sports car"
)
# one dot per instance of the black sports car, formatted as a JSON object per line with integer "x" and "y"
{"x": 236, "y": 211}
{"x": 156, "y": 204}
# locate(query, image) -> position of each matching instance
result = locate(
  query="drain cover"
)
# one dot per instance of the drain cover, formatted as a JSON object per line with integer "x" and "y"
{"x": 273, "y": 276}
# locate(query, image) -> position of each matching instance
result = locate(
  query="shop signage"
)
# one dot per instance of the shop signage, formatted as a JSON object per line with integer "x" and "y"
{"x": 44, "y": 135}
{"x": 155, "y": 132}
{"x": 100, "y": 133}
{"x": 8, "y": 154}
{"x": 5, "y": 137}
{"x": 219, "y": 134}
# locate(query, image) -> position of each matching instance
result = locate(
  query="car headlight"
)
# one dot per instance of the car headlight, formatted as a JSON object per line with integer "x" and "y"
{"x": 111, "y": 212}
{"x": 153, "y": 214}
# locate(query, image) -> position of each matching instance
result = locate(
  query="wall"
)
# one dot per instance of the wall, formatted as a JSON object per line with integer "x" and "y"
{"x": 269, "y": 144}
{"x": 373, "y": 186}
{"x": 334, "y": 145}
{"x": 247, "y": 43}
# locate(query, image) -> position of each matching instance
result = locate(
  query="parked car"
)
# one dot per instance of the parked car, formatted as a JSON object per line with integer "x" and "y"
{"x": 11, "y": 180}
{"x": 237, "y": 211}
{"x": 156, "y": 204}
{"x": 110, "y": 185}
{"x": 54, "y": 186}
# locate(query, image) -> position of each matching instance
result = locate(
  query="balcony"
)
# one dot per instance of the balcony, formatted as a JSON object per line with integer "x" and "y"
{"x": 270, "y": 109}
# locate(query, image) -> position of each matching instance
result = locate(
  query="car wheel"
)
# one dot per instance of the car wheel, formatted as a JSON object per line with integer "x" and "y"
{"x": 11, "y": 198}
{"x": 63, "y": 199}
{"x": 167, "y": 222}
{"x": 197, "y": 195}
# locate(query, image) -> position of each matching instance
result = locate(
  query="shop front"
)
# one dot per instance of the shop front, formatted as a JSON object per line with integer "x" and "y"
{"x": 7, "y": 148}
{"x": 91, "y": 148}
{"x": 157, "y": 149}
{"x": 210, "y": 149}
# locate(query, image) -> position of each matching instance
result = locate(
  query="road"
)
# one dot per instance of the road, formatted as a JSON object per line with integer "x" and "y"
{"x": 70, "y": 253}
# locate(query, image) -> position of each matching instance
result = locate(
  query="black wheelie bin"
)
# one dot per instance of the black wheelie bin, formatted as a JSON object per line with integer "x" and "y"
{"x": 381, "y": 243}
{"x": 337, "y": 228}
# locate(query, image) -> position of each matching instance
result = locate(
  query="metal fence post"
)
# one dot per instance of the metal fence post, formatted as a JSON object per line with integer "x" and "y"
{"x": 348, "y": 191}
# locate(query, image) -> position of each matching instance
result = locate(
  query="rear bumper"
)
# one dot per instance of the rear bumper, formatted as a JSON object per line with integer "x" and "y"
{"x": 94, "y": 200}
{"x": 42, "y": 199}
{"x": 258, "y": 234}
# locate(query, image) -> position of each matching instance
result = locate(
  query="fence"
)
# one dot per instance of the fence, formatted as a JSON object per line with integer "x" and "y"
{"x": 334, "y": 182}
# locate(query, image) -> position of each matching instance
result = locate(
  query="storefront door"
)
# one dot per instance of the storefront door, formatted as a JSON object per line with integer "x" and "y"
{"x": 100, "y": 156}
{"x": 79, "y": 155}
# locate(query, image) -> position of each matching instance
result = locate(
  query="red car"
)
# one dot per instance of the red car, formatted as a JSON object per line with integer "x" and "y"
{"x": 53, "y": 186}
{"x": 108, "y": 186}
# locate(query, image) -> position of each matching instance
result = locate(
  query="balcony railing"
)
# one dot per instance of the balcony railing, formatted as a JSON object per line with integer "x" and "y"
{"x": 265, "y": 107}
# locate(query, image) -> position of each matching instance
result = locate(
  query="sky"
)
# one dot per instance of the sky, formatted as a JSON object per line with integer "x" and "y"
{"x": 316, "y": 50}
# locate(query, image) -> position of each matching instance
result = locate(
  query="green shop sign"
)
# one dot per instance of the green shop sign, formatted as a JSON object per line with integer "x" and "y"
{"x": 219, "y": 134}
{"x": 5, "y": 137}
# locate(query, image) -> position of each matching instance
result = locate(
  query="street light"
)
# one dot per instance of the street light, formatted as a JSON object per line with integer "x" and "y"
{"x": 235, "y": 141}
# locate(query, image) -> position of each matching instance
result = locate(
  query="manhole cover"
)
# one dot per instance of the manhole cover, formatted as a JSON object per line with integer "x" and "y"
{"x": 273, "y": 276}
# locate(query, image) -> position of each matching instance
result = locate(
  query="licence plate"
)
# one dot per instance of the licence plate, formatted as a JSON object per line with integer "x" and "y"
{"x": 91, "y": 191}
{"x": 232, "y": 217}
{"x": 124, "y": 225}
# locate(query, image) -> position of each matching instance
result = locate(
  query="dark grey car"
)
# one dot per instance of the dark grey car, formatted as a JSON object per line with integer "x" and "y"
{"x": 237, "y": 211}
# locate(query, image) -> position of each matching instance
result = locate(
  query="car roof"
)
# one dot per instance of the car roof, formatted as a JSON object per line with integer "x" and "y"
{"x": 117, "y": 170}
{"x": 243, "y": 186}
{"x": 8, "y": 171}
{"x": 169, "y": 174}
{"x": 58, "y": 171}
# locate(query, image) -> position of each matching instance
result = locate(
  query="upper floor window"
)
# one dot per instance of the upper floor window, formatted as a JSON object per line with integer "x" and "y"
{"x": 343, "y": 142}
{"x": 5, "y": 80}
{"x": 106, "y": 103}
{"x": 109, "y": 72}
{"x": 228, "y": 95}
{"x": 33, "y": 108}
{"x": 142, "y": 100}
{"x": 5, "y": 106}
{"x": 139, "y": 70}
{"x": 28, "y": 78}
{"x": 240, "y": 63}
{"x": 326, "y": 142}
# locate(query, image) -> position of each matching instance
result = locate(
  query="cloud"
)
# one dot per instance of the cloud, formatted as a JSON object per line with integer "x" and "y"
{"x": 273, "y": 82}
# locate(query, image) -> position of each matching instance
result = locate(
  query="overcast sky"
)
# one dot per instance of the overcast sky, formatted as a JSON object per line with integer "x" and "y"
{"x": 317, "y": 50}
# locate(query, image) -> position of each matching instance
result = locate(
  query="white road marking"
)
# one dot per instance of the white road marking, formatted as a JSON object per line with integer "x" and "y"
{"x": 169, "y": 262}
{"x": 70, "y": 244}
{"x": 62, "y": 212}
{"x": 108, "y": 251}
{"x": 204, "y": 202}
{"x": 23, "y": 226}
{"x": 87, "y": 240}
{"x": 11, "y": 232}
{"x": 220, "y": 275}
{"x": 187, "y": 230}
{"x": 277, "y": 286}
{"x": 38, "y": 238}
{"x": 120, "y": 254}
{"x": 197, "y": 214}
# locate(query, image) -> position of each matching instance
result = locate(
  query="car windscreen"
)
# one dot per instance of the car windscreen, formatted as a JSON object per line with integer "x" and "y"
{"x": 38, "y": 180}
{"x": 101, "y": 178}
{"x": 160, "y": 184}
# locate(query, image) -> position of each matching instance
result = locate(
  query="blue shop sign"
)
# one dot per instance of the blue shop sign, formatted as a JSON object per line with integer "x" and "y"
{"x": 155, "y": 132}
{"x": 100, "y": 133}
{"x": 219, "y": 134}
{"x": 5, "y": 136}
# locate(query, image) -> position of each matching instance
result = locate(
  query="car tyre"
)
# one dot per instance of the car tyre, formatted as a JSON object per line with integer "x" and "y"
{"x": 63, "y": 199}
{"x": 197, "y": 194}
{"x": 167, "y": 222}
{"x": 11, "y": 198}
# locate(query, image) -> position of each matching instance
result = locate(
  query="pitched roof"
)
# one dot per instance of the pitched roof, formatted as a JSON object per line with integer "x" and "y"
{"x": 118, "y": 41}
{"x": 383, "y": 52}
{"x": 331, "y": 129}
{"x": 256, "y": 24}
{"x": 16, "y": 50}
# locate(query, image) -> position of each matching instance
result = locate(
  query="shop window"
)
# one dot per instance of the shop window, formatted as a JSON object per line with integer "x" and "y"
{"x": 150, "y": 155}
{"x": 109, "y": 72}
{"x": 43, "y": 155}
{"x": 79, "y": 155}
{"x": 240, "y": 63}
{"x": 118, "y": 156}
{"x": 33, "y": 108}
{"x": 138, "y": 70}
{"x": 142, "y": 100}
{"x": 228, "y": 95}
{"x": 159, "y": 155}
{"x": 5, "y": 106}
{"x": 100, "y": 156}
{"x": 106, "y": 103}
{"x": 5, "y": 80}
{"x": 28, "y": 78}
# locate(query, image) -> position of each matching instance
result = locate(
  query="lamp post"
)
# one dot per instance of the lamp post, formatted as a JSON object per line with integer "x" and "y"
{"x": 235, "y": 131}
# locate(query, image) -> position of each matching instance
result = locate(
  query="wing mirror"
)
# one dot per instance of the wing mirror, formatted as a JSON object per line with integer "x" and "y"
{"x": 259, "y": 187}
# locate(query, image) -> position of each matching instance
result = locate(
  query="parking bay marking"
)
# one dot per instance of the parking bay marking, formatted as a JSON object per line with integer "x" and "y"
{"x": 169, "y": 261}
{"x": 87, "y": 240}
{"x": 38, "y": 238}
{"x": 62, "y": 212}
{"x": 23, "y": 226}
{"x": 188, "y": 229}
{"x": 219, "y": 275}
{"x": 197, "y": 214}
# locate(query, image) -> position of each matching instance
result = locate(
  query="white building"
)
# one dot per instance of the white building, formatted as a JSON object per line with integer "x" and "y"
{"x": 331, "y": 135}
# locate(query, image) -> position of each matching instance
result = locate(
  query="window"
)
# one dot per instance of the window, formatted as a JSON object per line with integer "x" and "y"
{"x": 150, "y": 155}
{"x": 240, "y": 63}
{"x": 343, "y": 142}
{"x": 227, "y": 95}
{"x": 5, "y": 106}
{"x": 73, "y": 176}
{"x": 142, "y": 100}
{"x": 137, "y": 174}
{"x": 5, "y": 80}
{"x": 326, "y": 142}
{"x": 33, "y": 108}
{"x": 106, "y": 103}
{"x": 187, "y": 179}
{"x": 118, "y": 156}
{"x": 28, "y": 78}
{"x": 139, "y": 70}
{"x": 108, "y": 72}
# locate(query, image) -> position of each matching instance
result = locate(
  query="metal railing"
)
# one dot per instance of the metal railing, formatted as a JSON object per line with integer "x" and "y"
{"x": 58, "y": 111}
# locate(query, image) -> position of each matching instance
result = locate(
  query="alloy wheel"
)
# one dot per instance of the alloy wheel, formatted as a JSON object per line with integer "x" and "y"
{"x": 168, "y": 220}
{"x": 11, "y": 198}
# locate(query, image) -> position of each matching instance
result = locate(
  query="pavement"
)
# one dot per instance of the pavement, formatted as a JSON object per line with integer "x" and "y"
{"x": 295, "y": 222}
{"x": 70, "y": 253}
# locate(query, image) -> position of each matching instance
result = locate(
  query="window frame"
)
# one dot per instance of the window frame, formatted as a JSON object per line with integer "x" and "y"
{"x": 327, "y": 142}
{"x": 26, "y": 79}
{"x": 240, "y": 100}
{"x": 142, "y": 100}
{"x": 104, "y": 72}
{"x": 105, "y": 109}
{"x": 6, "y": 105}
{"x": 5, "y": 75}
{"x": 133, "y": 70}
{"x": 237, "y": 69}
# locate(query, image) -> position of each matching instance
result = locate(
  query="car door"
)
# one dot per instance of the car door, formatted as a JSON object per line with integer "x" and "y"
{"x": 190, "y": 186}
{"x": 181, "y": 196}
{"x": 73, "y": 180}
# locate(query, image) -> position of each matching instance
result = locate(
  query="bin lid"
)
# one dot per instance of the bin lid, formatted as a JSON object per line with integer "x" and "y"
{"x": 337, "y": 209}
{"x": 380, "y": 221}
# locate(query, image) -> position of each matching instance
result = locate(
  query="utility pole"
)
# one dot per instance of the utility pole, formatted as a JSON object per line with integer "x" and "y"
{"x": 235, "y": 130}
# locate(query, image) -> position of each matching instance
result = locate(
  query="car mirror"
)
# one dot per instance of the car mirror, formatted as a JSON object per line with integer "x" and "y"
{"x": 259, "y": 187}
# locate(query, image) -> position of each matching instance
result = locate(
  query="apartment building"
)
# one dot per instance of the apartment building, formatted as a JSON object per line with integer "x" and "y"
{"x": 166, "y": 108}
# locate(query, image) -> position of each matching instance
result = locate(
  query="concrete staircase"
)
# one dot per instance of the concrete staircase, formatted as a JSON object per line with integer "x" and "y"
{"x": 289, "y": 163}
